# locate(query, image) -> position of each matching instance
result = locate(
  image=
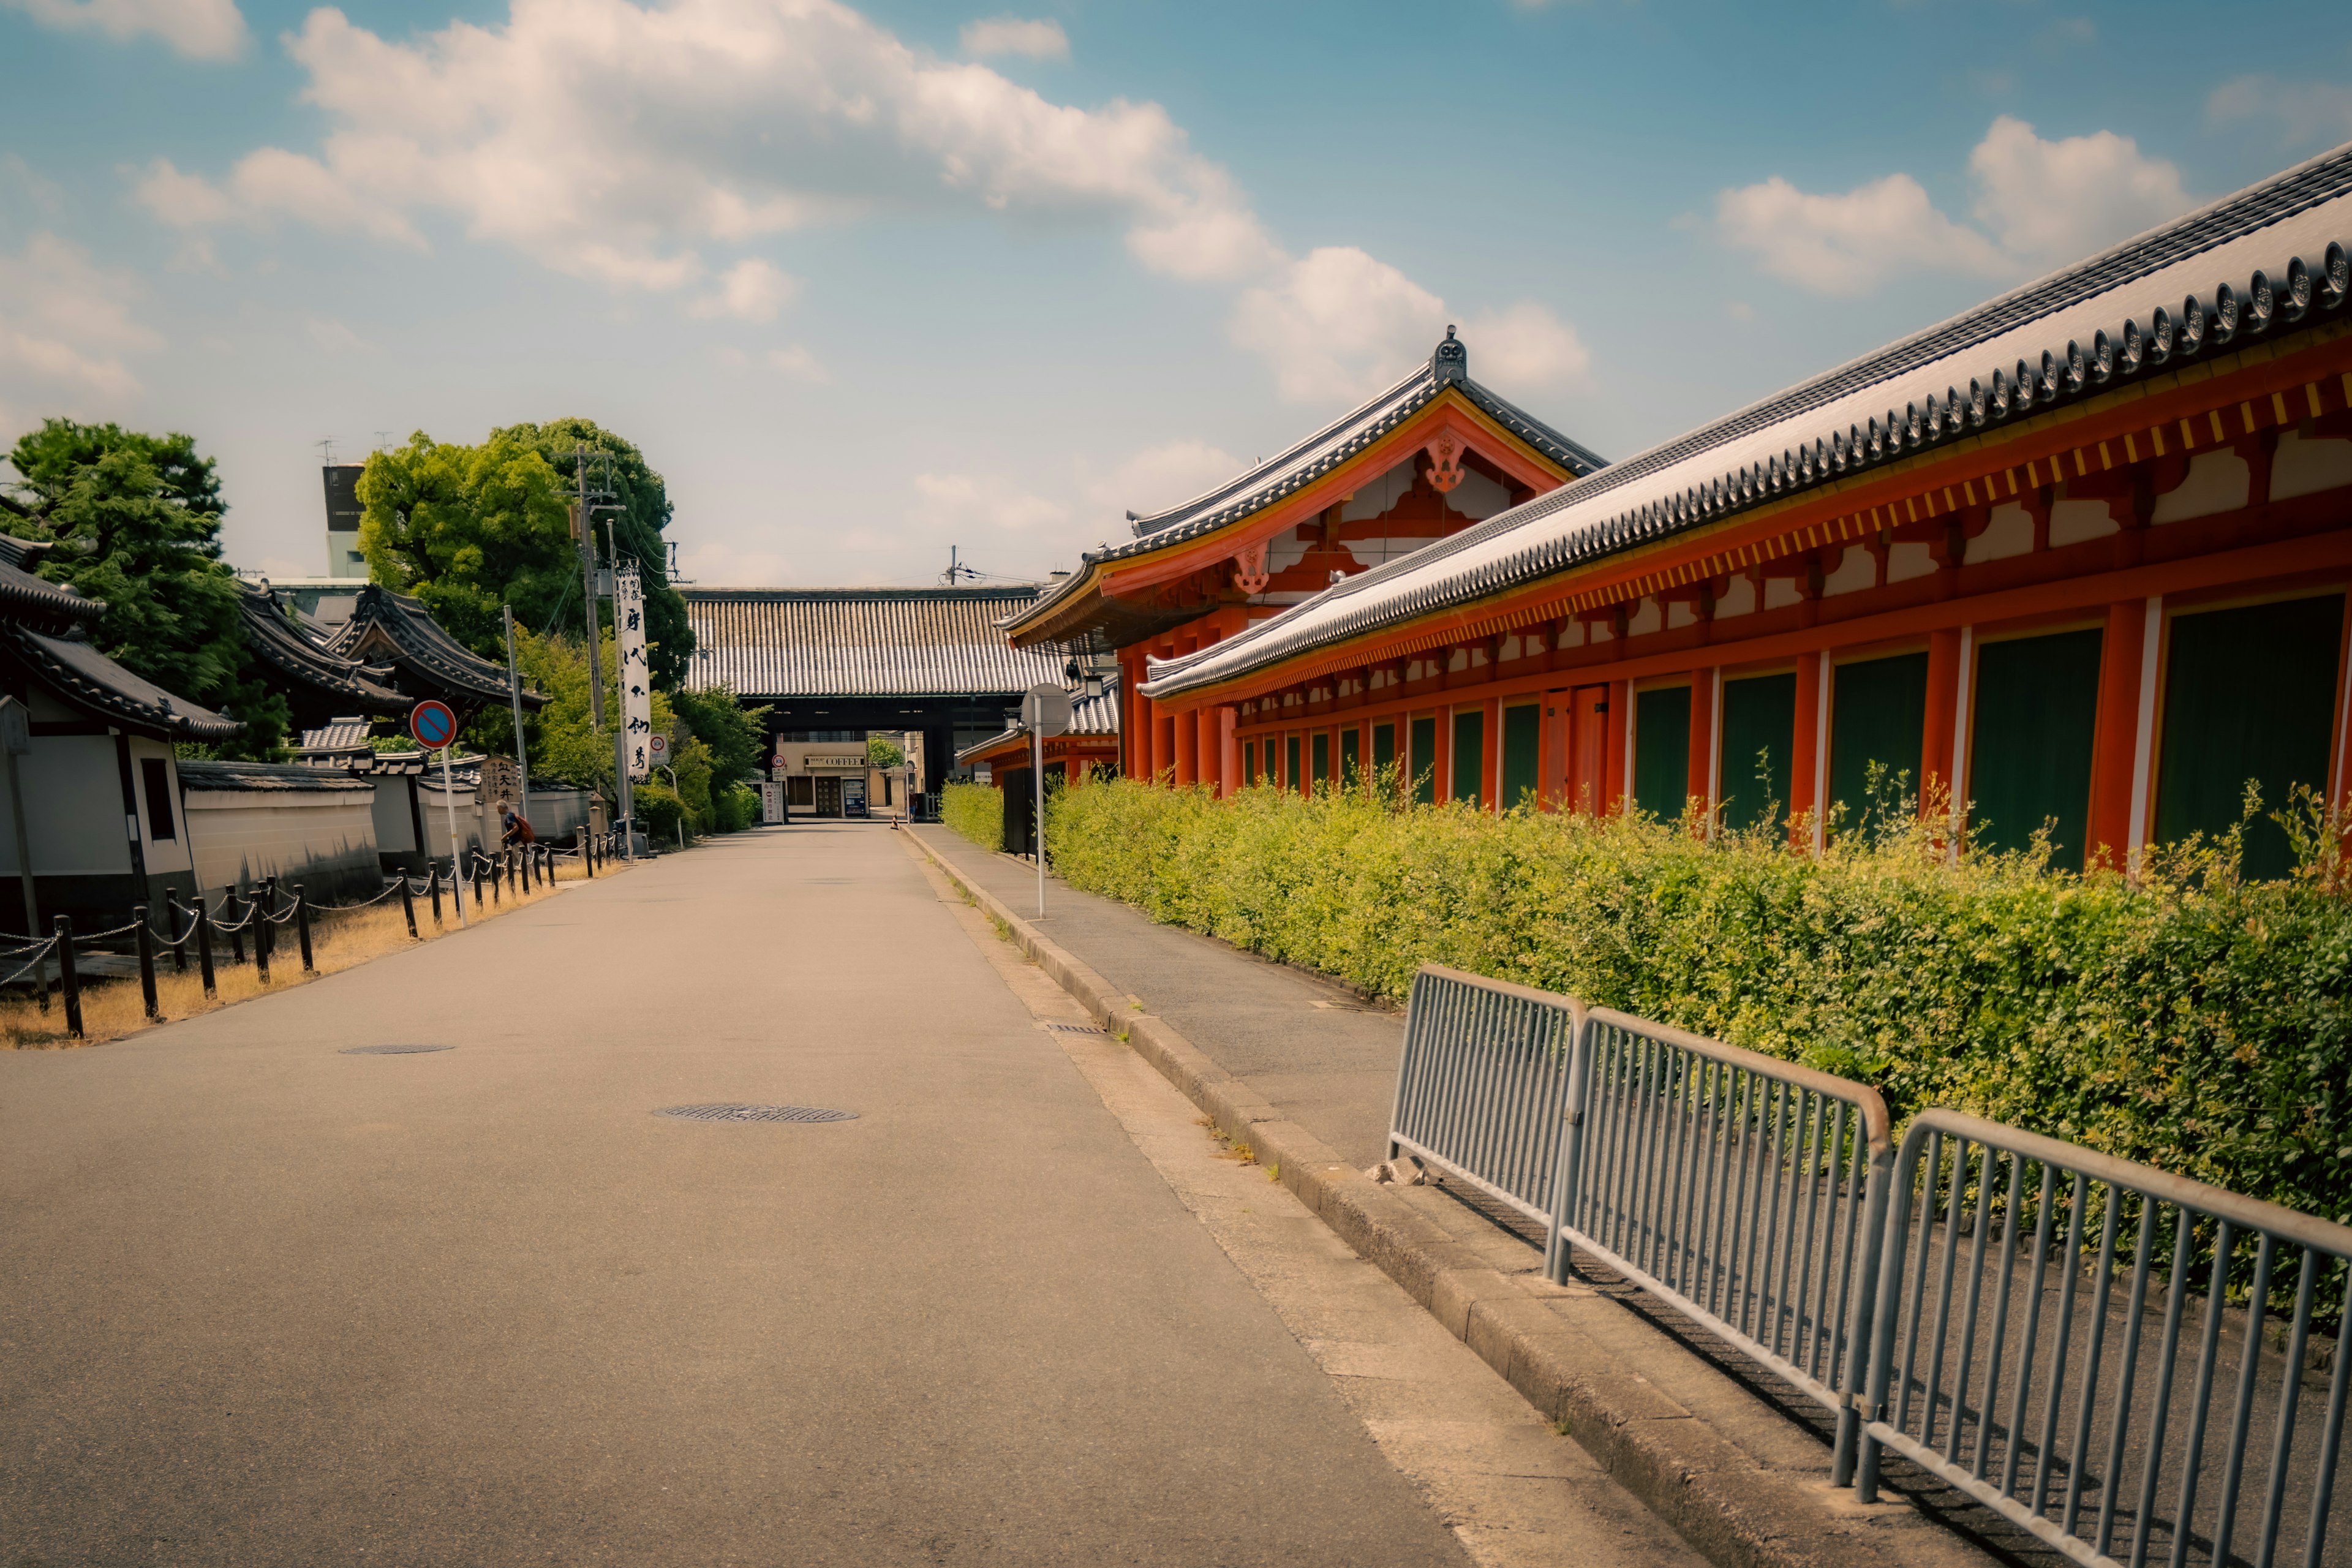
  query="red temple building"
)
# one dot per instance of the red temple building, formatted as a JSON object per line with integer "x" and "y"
{"x": 2078, "y": 557}
{"x": 1433, "y": 456}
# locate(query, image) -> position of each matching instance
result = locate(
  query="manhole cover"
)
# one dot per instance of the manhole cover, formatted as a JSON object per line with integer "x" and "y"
{"x": 757, "y": 1113}
{"x": 394, "y": 1051}
{"x": 1074, "y": 1028}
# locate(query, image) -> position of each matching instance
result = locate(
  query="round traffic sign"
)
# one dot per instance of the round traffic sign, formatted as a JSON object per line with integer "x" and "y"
{"x": 433, "y": 724}
{"x": 657, "y": 748}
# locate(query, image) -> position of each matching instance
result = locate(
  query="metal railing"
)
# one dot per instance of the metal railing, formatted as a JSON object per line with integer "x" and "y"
{"x": 1744, "y": 1192}
{"x": 1483, "y": 1078}
{"x": 2019, "y": 1354}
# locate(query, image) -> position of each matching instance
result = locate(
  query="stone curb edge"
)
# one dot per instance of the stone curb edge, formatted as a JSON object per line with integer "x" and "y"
{"x": 1735, "y": 1511}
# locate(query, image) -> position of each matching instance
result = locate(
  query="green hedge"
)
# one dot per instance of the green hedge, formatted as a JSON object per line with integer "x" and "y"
{"x": 976, "y": 811}
{"x": 2193, "y": 1022}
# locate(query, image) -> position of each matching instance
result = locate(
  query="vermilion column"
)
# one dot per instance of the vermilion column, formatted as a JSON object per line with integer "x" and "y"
{"x": 2116, "y": 746}
{"x": 1206, "y": 756}
{"x": 1943, "y": 714}
{"x": 1804, "y": 763}
{"x": 1621, "y": 733}
{"x": 1229, "y": 750}
{"x": 1187, "y": 738}
{"x": 1702, "y": 740}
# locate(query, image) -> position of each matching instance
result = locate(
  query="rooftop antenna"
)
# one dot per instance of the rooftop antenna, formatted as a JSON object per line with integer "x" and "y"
{"x": 383, "y": 440}
{"x": 326, "y": 451}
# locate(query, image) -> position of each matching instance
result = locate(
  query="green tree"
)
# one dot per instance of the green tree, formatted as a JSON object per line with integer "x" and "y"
{"x": 735, "y": 736}
{"x": 881, "y": 751}
{"x": 467, "y": 528}
{"x": 138, "y": 520}
{"x": 637, "y": 530}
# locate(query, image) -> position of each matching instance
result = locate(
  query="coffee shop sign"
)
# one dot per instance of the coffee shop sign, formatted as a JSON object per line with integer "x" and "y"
{"x": 824, "y": 762}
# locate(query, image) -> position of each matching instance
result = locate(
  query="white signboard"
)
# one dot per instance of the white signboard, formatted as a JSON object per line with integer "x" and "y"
{"x": 636, "y": 681}
{"x": 772, "y": 801}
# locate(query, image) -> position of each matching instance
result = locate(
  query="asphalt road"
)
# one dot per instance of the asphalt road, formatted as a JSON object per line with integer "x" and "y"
{"x": 262, "y": 1301}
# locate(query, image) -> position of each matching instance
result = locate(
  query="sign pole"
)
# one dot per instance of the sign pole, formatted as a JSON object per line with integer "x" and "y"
{"x": 17, "y": 738}
{"x": 449, "y": 809}
{"x": 1038, "y": 779}
{"x": 514, "y": 697}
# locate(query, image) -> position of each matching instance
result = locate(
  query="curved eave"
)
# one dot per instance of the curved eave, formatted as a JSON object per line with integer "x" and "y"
{"x": 159, "y": 716}
{"x": 277, "y": 643}
{"x": 1079, "y": 605}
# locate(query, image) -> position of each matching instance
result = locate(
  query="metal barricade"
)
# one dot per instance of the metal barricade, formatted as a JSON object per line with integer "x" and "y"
{"x": 2060, "y": 1402}
{"x": 1746, "y": 1193}
{"x": 1482, "y": 1084}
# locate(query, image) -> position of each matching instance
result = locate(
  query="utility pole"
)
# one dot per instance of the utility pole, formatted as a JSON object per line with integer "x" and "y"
{"x": 514, "y": 697}
{"x": 585, "y": 533}
{"x": 623, "y": 793}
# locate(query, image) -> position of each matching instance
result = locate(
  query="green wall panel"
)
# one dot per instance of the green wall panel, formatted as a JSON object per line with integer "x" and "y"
{"x": 2248, "y": 694}
{"x": 1319, "y": 753}
{"x": 1290, "y": 762}
{"x": 1469, "y": 753}
{"x": 1878, "y": 714}
{"x": 2031, "y": 742}
{"x": 1662, "y": 751}
{"x": 1522, "y": 746}
{"x": 1350, "y": 763}
{"x": 1759, "y": 731}
{"x": 1424, "y": 761}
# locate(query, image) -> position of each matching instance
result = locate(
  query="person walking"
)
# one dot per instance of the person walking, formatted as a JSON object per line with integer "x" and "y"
{"x": 517, "y": 827}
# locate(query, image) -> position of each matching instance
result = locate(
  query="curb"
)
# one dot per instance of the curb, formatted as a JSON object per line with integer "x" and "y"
{"x": 1735, "y": 1511}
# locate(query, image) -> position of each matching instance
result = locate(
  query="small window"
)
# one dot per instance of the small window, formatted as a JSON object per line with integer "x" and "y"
{"x": 155, "y": 776}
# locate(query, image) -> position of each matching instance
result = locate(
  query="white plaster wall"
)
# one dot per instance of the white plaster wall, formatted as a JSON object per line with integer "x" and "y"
{"x": 2007, "y": 532}
{"x": 243, "y": 836}
{"x": 2302, "y": 467}
{"x": 1376, "y": 496}
{"x": 1740, "y": 599}
{"x": 163, "y": 855}
{"x": 396, "y": 833}
{"x": 2216, "y": 481}
{"x": 1857, "y": 570}
{"x": 1905, "y": 561}
{"x": 73, "y": 809}
{"x": 2073, "y": 521}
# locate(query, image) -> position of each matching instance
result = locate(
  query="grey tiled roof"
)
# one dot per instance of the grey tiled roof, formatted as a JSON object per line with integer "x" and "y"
{"x": 89, "y": 679}
{"x": 39, "y": 602}
{"x": 768, "y": 643}
{"x": 2255, "y": 262}
{"x": 265, "y": 777}
{"x": 294, "y": 654}
{"x": 1088, "y": 716}
{"x": 1295, "y": 467}
{"x": 426, "y": 660}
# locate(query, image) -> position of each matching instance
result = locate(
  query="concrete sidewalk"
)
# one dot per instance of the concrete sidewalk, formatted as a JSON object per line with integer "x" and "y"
{"x": 263, "y": 1301}
{"x": 1328, "y": 1059}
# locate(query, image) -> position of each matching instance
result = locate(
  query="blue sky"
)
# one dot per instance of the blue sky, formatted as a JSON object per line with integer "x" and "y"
{"x": 869, "y": 282}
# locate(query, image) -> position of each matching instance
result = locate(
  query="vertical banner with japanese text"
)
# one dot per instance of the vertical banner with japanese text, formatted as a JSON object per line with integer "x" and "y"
{"x": 636, "y": 687}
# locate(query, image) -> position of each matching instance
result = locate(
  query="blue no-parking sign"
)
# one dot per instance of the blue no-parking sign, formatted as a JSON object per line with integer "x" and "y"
{"x": 433, "y": 724}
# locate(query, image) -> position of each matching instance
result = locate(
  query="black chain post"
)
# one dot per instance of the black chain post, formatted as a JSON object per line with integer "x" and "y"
{"x": 68, "y": 978}
{"x": 263, "y": 934}
{"x": 496, "y": 865}
{"x": 432, "y": 885}
{"x": 179, "y": 935}
{"x": 408, "y": 903}
{"x": 478, "y": 882}
{"x": 302, "y": 927}
{"x": 236, "y": 923}
{"x": 204, "y": 949}
{"x": 147, "y": 965}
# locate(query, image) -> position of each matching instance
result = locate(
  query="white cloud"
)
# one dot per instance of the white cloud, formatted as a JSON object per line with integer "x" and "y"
{"x": 200, "y": 29}
{"x": 613, "y": 140}
{"x": 715, "y": 563}
{"x": 268, "y": 184}
{"x": 2054, "y": 202}
{"x": 1524, "y": 350}
{"x": 961, "y": 498}
{"x": 66, "y": 326}
{"x": 751, "y": 291}
{"x": 330, "y": 336}
{"x": 797, "y": 363}
{"x": 2044, "y": 202}
{"x": 1851, "y": 243}
{"x": 1011, "y": 36}
{"x": 2307, "y": 113}
{"x": 1157, "y": 477}
{"x": 1337, "y": 322}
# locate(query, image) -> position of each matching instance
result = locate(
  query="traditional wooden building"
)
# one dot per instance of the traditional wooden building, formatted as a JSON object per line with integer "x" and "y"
{"x": 395, "y": 639}
{"x": 1088, "y": 748}
{"x": 2078, "y": 557}
{"x": 832, "y": 664}
{"x": 1427, "y": 458}
{"x": 320, "y": 685}
{"x": 101, "y": 808}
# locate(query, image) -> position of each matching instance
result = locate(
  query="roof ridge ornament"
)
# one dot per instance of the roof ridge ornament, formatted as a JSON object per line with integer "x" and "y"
{"x": 1450, "y": 363}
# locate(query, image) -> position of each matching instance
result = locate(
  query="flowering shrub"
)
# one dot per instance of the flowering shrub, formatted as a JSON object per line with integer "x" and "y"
{"x": 2191, "y": 1020}
{"x": 976, "y": 811}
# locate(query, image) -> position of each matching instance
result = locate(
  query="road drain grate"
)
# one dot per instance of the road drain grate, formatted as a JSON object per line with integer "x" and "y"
{"x": 757, "y": 1113}
{"x": 394, "y": 1051}
{"x": 1074, "y": 1028}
